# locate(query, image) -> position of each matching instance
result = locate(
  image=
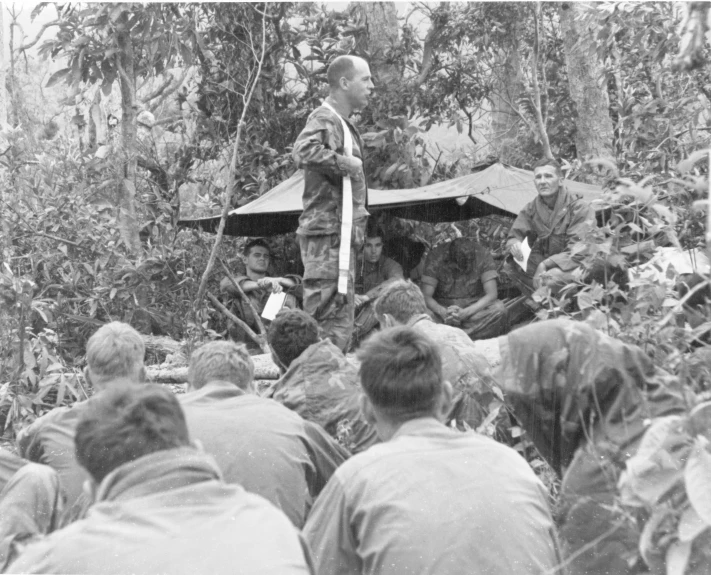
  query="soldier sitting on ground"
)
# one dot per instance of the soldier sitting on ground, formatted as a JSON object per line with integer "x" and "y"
{"x": 374, "y": 272}
{"x": 258, "y": 443}
{"x": 257, "y": 286}
{"x": 161, "y": 504}
{"x": 318, "y": 382}
{"x": 459, "y": 285}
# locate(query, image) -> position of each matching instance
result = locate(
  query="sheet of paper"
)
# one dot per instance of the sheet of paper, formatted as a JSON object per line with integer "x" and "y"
{"x": 526, "y": 251}
{"x": 273, "y": 305}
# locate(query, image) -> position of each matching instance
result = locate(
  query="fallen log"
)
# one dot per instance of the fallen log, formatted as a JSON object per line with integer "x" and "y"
{"x": 264, "y": 369}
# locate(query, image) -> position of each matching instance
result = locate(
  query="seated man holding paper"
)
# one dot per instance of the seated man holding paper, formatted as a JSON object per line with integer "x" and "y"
{"x": 544, "y": 232}
{"x": 259, "y": 288}
{"x": 459, "y": 285}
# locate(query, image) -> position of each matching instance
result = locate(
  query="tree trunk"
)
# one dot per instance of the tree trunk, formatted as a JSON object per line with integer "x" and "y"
{"x": 594, "y": 136}
{"x": 127, "y": 218}
{"x": 380, "y": 34}
{"x": 3, "y": 88}
{"x": 508, "y": 88}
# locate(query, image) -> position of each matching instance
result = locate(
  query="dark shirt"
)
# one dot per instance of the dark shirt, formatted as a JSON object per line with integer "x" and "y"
{"x": 370, "y": 276}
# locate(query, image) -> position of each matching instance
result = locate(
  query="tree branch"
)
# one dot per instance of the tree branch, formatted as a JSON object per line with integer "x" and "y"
{"x": 536, "y": 88}
{"x": 39, "y": 35}
{"x": 232, "y": 317}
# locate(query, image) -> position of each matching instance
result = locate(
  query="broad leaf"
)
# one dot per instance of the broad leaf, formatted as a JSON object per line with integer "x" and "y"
{"x": 691, "y": 525}
{"x": 57, "y": 76}
{"x": 678, "y": 557}
{"x": 698, "y": 479}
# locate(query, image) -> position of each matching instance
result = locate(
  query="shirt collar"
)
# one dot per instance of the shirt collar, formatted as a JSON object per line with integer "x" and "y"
{"x": 422, "y": 426}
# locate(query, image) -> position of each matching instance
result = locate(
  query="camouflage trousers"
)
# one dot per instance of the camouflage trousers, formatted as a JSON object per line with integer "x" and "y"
{"x": 334, "y": 312}
{"x": 487, "y": 323}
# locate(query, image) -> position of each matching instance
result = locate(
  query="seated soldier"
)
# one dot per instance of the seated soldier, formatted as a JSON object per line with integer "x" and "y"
{"x": 585, "y": 400}
{"x": 258, "y": 443}
{"x": 318, "y": 382}
{"x": 114, "y": 357}
{"x": 374, "y": 272}
{"x": 161, "y": 505}
{"x": 257, "y": 286}
{"x": 552, "y": 223}
{"x": 402, "y": 303}
{"x": 459, "y": 285}
{"x": 429, "y": 499}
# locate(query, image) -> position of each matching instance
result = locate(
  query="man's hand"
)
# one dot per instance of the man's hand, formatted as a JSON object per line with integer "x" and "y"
{"x": 454, "y": 315}
{"x": 540, "y": 278}
{"x": 361, "y": 300}
{"x": 515, "y": 249}
{"x": 352, "y": 165}
{"x": 271, "y": 284}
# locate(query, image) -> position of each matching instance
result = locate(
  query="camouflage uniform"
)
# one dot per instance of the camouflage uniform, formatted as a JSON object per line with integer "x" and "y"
{"x": 583, "y": 399}
{"x": 317, "y": 150}
{"x": 469, "y": 373}
{"x": 371, "y": 280}
{"x": 454, "y": 286}
{"x": 322, "y": 387}
{"x": 258, "y": 298}
{"x": 551, "y": 234}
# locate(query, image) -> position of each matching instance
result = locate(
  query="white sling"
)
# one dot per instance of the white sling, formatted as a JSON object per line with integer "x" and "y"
{"x": 344, "y": 250}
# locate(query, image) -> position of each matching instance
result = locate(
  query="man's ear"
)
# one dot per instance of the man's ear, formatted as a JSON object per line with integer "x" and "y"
{"x": 87, "y": 376}
{"x": 366, "y": 409}
{"x": 446, "y": 399}
{"x": 142, "y": 375}
{"x": 386, "y": 321}
{"x": 277, "y": 361}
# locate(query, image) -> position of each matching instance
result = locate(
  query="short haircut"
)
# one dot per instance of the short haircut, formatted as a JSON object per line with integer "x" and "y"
{"x": 291, "y": 332}
{"x": 402, "y": 299}
{"x": 401, "y": 373}
{"x": 374, "y": 230}
{"x": 254, "y": 243}
{"x": 221, "y": 360}
{"x": 115, "y": 350}
{"x": 548, "y": 162}
{"x": 123, "y": 424}
{"x": 341, "y": 67}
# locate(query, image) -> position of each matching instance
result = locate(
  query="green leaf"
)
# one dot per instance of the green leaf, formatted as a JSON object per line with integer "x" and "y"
{"x": 678, "y": 557}
{"x": 691, "y": 525}
{"x": 57, "y": 76}
{"x": 698, "y": 479}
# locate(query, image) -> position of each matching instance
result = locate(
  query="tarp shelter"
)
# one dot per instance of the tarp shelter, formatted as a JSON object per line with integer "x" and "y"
{"x": 498, "y": 189}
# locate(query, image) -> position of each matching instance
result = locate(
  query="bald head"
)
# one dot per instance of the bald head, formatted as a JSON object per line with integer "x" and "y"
{"x": 342, "y": 67}
{"x": 350, "y": 82}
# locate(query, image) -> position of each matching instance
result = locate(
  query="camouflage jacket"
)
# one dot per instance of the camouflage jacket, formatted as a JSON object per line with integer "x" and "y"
{"x": 472, "y": 381}
{"x": 453, "y": 284}
{"x": 316, "y": 149}
{"x": 571, "y": 385}
{"x": 322, "y": 387}
{"x": 371, "y": 278}
{"x": 551, "y": 233}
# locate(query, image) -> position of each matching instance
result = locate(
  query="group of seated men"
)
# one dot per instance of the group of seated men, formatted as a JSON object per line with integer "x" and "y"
{"x": 337, "y": 469}
{"x": 459, "y": 278}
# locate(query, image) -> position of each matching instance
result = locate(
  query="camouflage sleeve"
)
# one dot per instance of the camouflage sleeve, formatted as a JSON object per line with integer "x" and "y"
{"x": 433, "y": 263}
{"x": 521, "y": 227}
{"x": 316, "y": 147}
{"x": 582, "y": 219}
{"x": 486, "y": 265}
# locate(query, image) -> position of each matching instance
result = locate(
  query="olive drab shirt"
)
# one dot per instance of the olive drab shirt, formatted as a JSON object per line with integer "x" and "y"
{"x": 9, "y": 464}
{"x": 453, "y": 283}
{"x": 170, "y": 512}
{"x": 552, "y": 233}
{"x": 263, "y": 446}
{"x": 433, "y": 501}
{"x": 322, "y": 386}
{"x": 316, "y": 150}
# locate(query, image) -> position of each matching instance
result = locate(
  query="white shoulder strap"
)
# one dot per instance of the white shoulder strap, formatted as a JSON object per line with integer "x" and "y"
{"x": 344, "y": 250}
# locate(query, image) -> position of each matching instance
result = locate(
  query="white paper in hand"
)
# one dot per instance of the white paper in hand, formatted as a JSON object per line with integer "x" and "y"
{"x": 273, "y": 305}
{"x": 526, "y": 251}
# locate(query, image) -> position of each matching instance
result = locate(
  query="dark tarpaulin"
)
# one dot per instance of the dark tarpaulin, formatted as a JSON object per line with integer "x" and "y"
{"x": 498, "y": 189}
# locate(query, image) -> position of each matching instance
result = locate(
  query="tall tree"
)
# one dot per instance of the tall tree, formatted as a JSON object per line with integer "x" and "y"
{"x": 378, "y": 35}
{"x": 594, "y": 135}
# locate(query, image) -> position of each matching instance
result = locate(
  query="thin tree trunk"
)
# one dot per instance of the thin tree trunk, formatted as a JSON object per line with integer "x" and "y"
{"x": 127, "y": 216}
{"x": 3, "y": 73}
{"x": 507, "y": 90}
{"x": 594, "y": 135}
{"x": 539, "y": 114}
{"x": 380, "y": 35}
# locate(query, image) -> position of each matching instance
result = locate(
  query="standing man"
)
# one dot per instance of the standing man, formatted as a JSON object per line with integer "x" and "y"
{"x": 552, "y": 223}
{"x": 330, "y": 151}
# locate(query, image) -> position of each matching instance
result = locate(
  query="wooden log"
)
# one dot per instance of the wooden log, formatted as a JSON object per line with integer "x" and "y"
{"x": 264, "y": 369}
